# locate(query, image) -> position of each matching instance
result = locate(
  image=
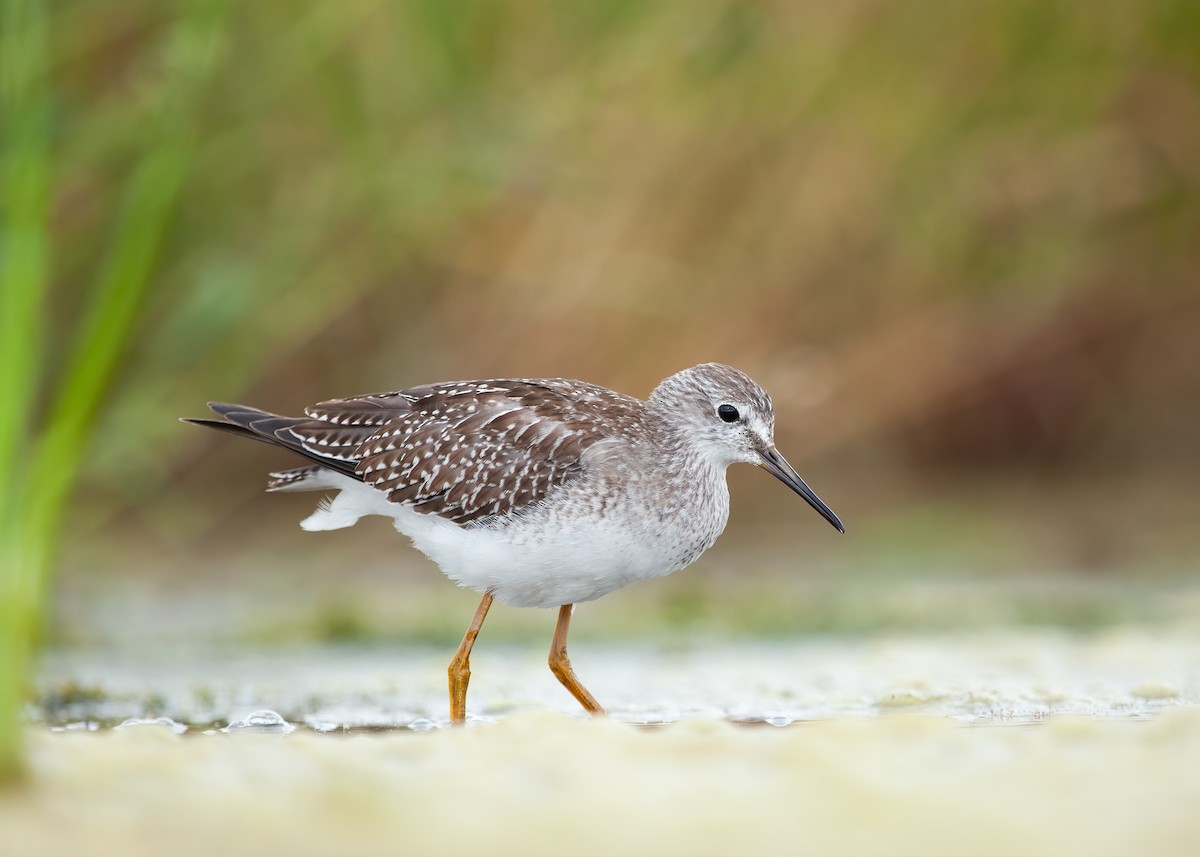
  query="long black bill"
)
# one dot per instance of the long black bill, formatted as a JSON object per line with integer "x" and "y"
{"x": 778, "y": 467}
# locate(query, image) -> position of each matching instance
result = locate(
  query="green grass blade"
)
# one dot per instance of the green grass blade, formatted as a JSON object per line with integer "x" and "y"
{"x": 31, "y": 521}
{"x": 24, "y": 195}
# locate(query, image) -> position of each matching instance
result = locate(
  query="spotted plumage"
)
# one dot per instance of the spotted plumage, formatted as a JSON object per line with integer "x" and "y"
{"x": 535, "y": 492}
{"x": 462, "y": 450}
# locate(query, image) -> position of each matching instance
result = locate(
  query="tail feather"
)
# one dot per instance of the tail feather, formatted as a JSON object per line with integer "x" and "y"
{"x": 267, "y": 427}
{"x": 221, "y": 425}
{"x": 310, "y": 478}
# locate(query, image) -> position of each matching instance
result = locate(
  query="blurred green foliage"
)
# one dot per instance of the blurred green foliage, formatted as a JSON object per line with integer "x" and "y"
{"x": 41, "y": 455}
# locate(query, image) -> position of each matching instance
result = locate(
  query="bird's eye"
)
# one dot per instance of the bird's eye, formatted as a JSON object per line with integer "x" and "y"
{"x": 728, "y": 413}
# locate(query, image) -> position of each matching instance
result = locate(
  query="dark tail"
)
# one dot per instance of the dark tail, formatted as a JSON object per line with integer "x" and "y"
{"x": 245, "y": 421}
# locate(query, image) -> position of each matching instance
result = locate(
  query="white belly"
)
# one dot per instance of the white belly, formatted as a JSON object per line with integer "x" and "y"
{"x": 554, "y": 554}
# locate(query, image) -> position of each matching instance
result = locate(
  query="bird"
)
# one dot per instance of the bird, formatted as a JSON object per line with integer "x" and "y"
{"x": 534, "y": 492}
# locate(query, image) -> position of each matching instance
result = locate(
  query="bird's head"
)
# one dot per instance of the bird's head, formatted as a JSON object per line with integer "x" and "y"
{"x": 724, "y": 415}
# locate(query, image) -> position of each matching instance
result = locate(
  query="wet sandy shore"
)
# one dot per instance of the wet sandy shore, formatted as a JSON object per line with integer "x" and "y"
{"x": 1009, "y": 743}
{"x": 550, "y": 784}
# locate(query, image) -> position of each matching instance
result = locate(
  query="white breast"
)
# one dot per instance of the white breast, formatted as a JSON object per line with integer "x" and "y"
{"x": 584, "y": 541}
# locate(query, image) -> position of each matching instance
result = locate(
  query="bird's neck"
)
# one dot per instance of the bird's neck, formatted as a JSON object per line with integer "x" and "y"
{"x": 694, "y": 473}
{"x": 677, "y": 443}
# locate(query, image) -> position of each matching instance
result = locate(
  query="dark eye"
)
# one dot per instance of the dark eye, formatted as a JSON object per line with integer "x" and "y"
{"x": 728, "y": 413}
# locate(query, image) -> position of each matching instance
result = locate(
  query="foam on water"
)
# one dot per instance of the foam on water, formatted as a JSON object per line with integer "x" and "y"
{"x": 155, "y": 722}
{"x": 265, "y": 722}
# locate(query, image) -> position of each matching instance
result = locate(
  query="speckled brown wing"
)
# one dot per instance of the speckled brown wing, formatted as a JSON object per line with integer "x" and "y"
{"x": 337, "y": 429}
{"x": 469, "y": 450}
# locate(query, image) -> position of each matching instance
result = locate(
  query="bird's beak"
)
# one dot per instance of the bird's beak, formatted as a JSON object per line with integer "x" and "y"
{"x": 777, "y": 466}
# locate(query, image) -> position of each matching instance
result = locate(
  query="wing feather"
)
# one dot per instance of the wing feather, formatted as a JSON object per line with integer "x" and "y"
{"x": 464, "y": 450}
{"x": 472, "y": 450}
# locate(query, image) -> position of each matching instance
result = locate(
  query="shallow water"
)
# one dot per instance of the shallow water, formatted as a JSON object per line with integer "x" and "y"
{"x": 1017, "y": 676}
{"x": 874, "y": 756}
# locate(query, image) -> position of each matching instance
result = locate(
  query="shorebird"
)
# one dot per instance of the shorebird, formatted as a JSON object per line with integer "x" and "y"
{"x": 534, "y": 492}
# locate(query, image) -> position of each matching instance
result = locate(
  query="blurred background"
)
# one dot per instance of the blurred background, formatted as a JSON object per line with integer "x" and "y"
{"x": 958, "y": 243}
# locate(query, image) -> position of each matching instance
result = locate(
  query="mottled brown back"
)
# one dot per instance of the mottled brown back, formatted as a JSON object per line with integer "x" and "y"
{"x": 466, "y": 450}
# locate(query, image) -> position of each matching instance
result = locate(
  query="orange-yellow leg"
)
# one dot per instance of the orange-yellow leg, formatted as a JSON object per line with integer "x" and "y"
{"x": 459, "y": 671}
{"x": 560, "y": 665}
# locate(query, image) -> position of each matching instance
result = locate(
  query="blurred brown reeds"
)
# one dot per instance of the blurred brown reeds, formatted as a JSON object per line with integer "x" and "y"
{"x": 956, "y": 237}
